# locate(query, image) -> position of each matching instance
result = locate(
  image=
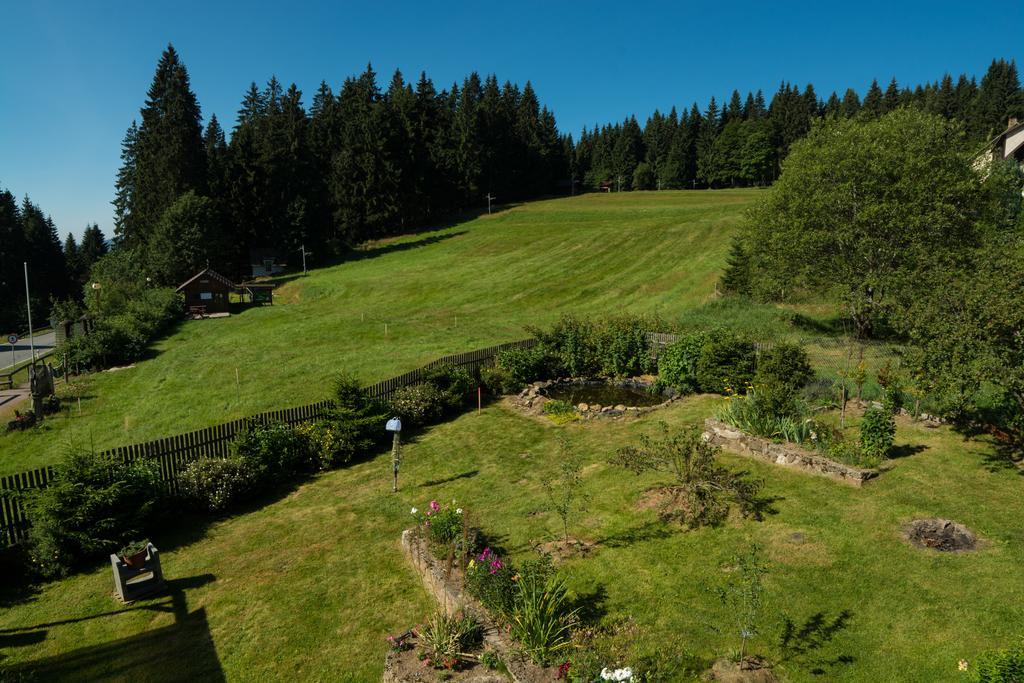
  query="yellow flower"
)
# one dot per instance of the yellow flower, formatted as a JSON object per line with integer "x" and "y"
{"x": 472, "y": 563}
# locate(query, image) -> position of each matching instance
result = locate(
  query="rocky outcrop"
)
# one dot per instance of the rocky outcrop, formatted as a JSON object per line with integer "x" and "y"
{"x": 789, "y": 455}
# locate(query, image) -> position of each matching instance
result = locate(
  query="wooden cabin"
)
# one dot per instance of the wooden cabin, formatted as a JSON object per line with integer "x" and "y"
{"x": 207, "y": 292}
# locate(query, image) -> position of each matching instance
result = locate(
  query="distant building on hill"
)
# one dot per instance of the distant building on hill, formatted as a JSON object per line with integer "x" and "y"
{"x": 1009, "y": 144}
{"x": 207, "y": 292}
{"x": 266, "y": 262}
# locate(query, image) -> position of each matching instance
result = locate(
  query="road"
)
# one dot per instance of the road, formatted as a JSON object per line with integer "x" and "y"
{"x": 22, "y": 351}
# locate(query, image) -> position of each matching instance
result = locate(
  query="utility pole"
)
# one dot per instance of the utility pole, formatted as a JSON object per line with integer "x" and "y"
{"x": 304, "y": 255}
{"x": 489, "y": 199}
{"x": 28, "y": 305}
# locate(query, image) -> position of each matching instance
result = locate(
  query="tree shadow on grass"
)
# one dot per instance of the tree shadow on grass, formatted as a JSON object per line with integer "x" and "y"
{"x": 181, "y": 651}
{"x": 906, "y": 450}
{"x": 651, "y": 531}
{"x": 447, "y": 480}
{"x": 591, "y": 604}
{"x": 801, "y": 643}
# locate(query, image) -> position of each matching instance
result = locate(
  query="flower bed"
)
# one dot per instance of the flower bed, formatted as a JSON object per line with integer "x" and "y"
{"x": 730, "y": 438}
{"x": 444, "y": 584}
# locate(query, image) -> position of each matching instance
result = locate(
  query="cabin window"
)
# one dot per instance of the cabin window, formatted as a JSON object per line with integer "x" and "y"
{"x": 206, "y": 296}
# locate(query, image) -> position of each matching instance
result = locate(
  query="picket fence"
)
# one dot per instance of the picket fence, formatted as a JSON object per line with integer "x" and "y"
{"x": 174, "y": 453}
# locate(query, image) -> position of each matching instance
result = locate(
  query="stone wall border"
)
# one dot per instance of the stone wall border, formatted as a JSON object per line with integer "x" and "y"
{"x": 786, "y": 454}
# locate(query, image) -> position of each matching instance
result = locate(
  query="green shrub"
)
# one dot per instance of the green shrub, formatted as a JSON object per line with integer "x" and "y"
{"x": 877, "y": 432}
{"x": 447, "y": 638}
{"x": 93, "y": 506}
{"x": 492, "y": 581}
{"x": 998, "y": 666}
{"x": 454, "y": 385}
{"x": 273, "y": 453}
{"x": 523, "y": 366}
{"x": 677, "y": 362}
{"x": 726, "y": 361}
{"x": 782, "y": 371}
{"x": 622, "y": 346}
{"x": 417, "y": 404}
{"x": 331, "y": 444}
{"x": 572, "y": 342}
{"x": 358, "y": 418}
{"x": 498, "y": 381}
{"x": 542, "y": 618}
{"x": 217, "y": 484}
{"x": 560, "y": 412}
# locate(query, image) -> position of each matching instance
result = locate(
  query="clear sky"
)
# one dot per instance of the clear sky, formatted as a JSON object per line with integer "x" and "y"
{"x": 74, "y": 74}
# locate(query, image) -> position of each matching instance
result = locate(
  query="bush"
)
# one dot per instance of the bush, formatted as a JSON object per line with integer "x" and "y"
{"x": 498, "y": 381}
{"x": 999, "y": 666}
{"x": 492, "y": 581}
{"x": 93, "y": 506}
{"x": 726, "y": 361}
{"x": 331, "y": 444}
{"x": 454, "y": 385}
{"x": 623, "y": 346}
{"x": 522, "y": 366}
{"x": 444, "y": 525}
{"x": 358, "y": 418}
{"x": 677, "y": 362}
{"x": 542, "y": 617}
{"x": 217, "y": 484}
{"x": 572, "y": 342}
{"x": 782, "y": 371}
{"x": 877, "y": 432}
{"x": 448, "y": 637}
{"x": 273, "y": 453}
{"x": 417, "y": 404}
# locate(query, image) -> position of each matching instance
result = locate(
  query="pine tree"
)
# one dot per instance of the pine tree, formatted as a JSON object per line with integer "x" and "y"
{"x": 708, "y": 164}
{"x": 124, "y": 188}
{"x": 874, "y": 101}
{"x": 999, "y": 98}
{"x": 169, "y": 155}
{"x": 12, "y": 255}
{"x": 736, "y": 278}
{"x": 76, "y": 270}
{"x": 891, "y": 99}
{"x": 851, "y": 104}
{"x": 93, "y": 246}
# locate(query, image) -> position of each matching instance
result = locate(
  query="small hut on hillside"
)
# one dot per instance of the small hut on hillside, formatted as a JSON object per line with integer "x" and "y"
{"x": 207, "y": 292}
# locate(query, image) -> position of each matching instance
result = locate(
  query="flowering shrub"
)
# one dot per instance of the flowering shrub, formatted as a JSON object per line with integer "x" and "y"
{"x": 331, "y": 444}
{"x": 492, "y": 581}
{"x": 443, "y": 524}
{"x": 217, "y": 483}
{"x": 418, "y": 404}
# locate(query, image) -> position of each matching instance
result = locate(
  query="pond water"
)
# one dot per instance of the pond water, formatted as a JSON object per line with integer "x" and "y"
{"x": 604, "y": 394}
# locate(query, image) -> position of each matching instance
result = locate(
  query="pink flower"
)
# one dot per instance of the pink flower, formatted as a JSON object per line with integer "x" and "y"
{"x": 484, "y": 555}
{"x": 434, "y": 506}
{"x": 496, "y": 566}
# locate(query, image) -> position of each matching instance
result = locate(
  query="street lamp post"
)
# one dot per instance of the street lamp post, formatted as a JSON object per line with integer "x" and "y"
{"x": 28, "y": 305}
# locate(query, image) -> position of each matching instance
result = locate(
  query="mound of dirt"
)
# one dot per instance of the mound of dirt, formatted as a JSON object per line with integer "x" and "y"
{"x": 747, "y": 670}
{"x": 567, "y": 549}
{"x": 941, "y": 534}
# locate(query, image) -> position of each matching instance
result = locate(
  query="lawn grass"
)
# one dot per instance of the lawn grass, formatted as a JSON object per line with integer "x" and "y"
{"x": 404, "y": 302}
{"x": 309, "y": 585}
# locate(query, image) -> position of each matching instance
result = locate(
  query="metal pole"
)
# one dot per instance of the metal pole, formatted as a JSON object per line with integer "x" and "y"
{"x": 396, "y": 459}
{"x": 303, "y": 259}
{"x": 28, "y": 304}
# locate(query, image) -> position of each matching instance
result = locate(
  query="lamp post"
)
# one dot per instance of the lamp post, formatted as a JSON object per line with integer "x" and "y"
{"x": 28, "y": 305}
{"x": 96, "y": 287}
{"x": 394, "y": 426}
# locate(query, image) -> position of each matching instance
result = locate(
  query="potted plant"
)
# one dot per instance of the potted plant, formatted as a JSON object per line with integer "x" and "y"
{"x": 134, "y": 554}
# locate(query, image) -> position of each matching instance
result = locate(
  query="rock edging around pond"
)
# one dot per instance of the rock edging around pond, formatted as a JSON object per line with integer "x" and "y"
{"x": 533, "y": 397}
{"x": 446, "y": 590}
{"x": 789, "y": 455}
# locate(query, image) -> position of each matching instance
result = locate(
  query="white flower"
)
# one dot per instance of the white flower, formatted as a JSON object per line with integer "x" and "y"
{"x": 624, "y": 674}
{"x": 962, "y": 665}
{"x": 458, "y": 511}
{"x": 414, "y": 511}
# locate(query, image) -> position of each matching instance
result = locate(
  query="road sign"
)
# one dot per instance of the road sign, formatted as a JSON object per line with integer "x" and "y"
{"x": 12, "y": 339}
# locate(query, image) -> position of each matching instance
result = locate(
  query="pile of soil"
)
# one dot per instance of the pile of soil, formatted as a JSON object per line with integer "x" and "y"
{"x": 562, "y": 549}
{"x": 941, "y": 534}
{"x": 747, "y": 670}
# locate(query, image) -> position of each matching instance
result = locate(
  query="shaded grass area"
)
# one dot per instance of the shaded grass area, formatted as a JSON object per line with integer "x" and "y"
{"x": 310, "y": 585}
{"x": 403, "y": 302}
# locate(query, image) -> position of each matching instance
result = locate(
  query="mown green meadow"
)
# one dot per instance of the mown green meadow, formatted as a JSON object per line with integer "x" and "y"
{"x": 310, "y": 584}
{"x": 404, "y": 302}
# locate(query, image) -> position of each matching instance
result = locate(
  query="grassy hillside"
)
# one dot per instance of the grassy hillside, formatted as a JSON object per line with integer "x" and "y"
{"x": 466, "y": 286}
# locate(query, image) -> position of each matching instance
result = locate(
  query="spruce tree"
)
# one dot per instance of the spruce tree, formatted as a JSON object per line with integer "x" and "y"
{"x": 169, "y": 155}
{"x": 874, "y": 101}
{"x": 124, "y": 188}
{"x": 999, "y": 98}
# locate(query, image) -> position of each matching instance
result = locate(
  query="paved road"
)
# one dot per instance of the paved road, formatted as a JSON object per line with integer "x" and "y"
{"x": 22, "y": 351}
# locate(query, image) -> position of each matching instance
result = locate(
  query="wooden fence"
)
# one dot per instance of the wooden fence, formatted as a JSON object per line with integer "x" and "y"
{"x": 173, "y": 454}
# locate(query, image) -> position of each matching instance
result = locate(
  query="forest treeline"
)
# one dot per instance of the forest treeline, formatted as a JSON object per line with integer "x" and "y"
{"x": 743, "y": 143}
{"x": 365, "y": 162}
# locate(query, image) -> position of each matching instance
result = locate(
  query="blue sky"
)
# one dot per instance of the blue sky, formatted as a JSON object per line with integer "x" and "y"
{"x": 73, "y": 74}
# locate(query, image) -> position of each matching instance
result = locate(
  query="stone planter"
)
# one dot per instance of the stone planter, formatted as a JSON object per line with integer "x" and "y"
{"x": 786, "y": 454}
